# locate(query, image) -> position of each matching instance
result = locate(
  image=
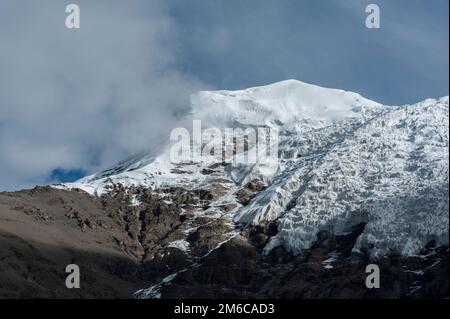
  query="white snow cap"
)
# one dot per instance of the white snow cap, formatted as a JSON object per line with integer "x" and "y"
{"x": 342, "y": 160}
{"x": 282, "y": 101}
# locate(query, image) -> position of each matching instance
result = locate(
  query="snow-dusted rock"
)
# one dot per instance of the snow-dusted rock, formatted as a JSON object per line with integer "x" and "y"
{"x": 343, "y": 160}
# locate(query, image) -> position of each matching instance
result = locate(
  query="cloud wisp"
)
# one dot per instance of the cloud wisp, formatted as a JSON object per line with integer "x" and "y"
{"x": 85, "y": 98}
{"x": 81, "y": 100}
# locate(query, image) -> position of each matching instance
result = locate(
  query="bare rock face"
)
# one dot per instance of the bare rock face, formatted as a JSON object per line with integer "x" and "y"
{"x": 130, "y": 239}
{"x": 246, "y": 193}
{"x": 329, "y": 270}
{"x": 35, "y": 251}
{"x": 206, "y": 237}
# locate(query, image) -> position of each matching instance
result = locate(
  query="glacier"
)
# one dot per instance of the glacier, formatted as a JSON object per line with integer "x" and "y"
{"x": 342, "y": 160}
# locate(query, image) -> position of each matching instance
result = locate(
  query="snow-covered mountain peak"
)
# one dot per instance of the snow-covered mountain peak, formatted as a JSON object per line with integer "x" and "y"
{"x": 280, "y": 102}
{"x": 342, "y": 160}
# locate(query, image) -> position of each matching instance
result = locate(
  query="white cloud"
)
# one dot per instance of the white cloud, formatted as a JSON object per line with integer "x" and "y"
{"x": 84, "y": 98}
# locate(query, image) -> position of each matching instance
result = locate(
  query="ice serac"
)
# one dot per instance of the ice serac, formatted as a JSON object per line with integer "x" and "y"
{"x": 390, "y": 172}
{"x": 342, "y": 160}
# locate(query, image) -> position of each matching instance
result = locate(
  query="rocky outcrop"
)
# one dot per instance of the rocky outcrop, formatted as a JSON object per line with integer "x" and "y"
{"x": 328, "y": 270}
{"x": 133, "y": 238}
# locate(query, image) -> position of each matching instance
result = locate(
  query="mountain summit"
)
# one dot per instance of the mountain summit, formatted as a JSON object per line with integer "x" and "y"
{"x": 342, "y": 160}
{"x": 348, "y": 182}
{"x": 283, "y": 101}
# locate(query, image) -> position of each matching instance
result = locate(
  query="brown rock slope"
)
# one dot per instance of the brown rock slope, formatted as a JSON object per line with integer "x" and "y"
{"x": 42, "y": 230}
{"x": 121, "y": 248}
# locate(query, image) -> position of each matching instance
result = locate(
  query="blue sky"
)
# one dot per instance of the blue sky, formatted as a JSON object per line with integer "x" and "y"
{"x": 235, "y": 44}
{"x": 76, "y": 101}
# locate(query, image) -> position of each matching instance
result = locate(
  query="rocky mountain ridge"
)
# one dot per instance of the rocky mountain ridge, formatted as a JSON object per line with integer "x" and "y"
{"x": 354, "y": 182}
